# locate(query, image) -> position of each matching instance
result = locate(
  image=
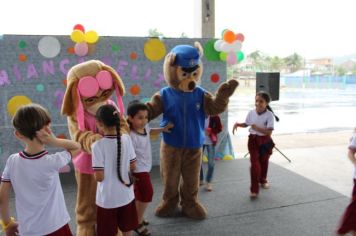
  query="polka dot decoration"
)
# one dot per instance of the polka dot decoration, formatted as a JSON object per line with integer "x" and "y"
{"x": 49, "y": 46}
{"x": 115, "y": 48}
{"x": 133, "y": 56}
{"x": 154, "y": 49}
{"x": 40, "y": 87}
{"x": 22, "y": 44}
{"x": 135, "y": 90}
{"x": 22, "y": 57}
{"x": 215, "y": 78}
{"x": 16, "y": 102}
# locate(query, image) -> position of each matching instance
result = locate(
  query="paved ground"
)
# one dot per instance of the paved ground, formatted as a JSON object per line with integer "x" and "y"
{"x": 307, "y": 196}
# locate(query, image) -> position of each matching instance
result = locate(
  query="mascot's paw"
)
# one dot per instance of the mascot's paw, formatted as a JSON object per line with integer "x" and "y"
{"x": 195, "y": 211}
{"x": 166, "y": 210}
{"x": 86, "y": 231}
{"x": 228, "y": 88}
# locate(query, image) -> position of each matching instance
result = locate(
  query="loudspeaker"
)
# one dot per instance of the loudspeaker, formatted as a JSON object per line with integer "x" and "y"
{"x": 268, "y": 82}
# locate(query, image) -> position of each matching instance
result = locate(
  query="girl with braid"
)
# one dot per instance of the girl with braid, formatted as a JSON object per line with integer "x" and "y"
{"x": 113, "y": 160}
{"x": 260, "y": 143}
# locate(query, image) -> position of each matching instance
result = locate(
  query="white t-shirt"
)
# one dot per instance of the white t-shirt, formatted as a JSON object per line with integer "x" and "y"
{"x": 111, "y": 193}
{"x": 142, "y": 146}
{"x": 353, "y": 147}
{"x": 264, "y": 120}
{"x": 39, "y": 198}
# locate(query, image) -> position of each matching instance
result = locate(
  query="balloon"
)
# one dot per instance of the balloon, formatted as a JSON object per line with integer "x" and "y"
{"x": 228, "y": 47}
{"x": 79, "y": 27}
{"x": 231, "y": 58}
{"x": 209, "y": 52}
{"x": 240, "y": 56}
{"x": 229, "y": 36}
{"x": 81, "y": 49}
{"x": 217, "y": 45}
{"x": 77, "y": 36}
{"x": 91, "y": 36}
{"x": 240, "y": 37}
{"x": 223, "y": 32}
{"x": 223, "y": 56}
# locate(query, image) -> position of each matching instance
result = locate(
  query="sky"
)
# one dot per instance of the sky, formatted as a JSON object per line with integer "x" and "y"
{"x": 310, "y": 28}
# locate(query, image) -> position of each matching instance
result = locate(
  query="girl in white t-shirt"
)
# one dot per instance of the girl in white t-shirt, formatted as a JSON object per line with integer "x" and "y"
{"x": 113, "y": 160}
{"x": 348, "y": 221}
{"x": 140, "y": 135}
{"x": 260, "y": 143}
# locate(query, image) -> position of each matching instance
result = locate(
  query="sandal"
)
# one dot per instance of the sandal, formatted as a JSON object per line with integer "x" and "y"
{"x": 141, "y": 230}
{"x": 145, "y": 222}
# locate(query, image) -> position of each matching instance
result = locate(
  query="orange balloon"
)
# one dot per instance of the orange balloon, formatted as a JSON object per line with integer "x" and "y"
{"x": 229, "y": 36}
{"x": 135, "y": 89}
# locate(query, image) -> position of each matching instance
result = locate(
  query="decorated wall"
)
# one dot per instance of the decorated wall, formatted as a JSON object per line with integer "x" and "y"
{"x": 34, "y": 68}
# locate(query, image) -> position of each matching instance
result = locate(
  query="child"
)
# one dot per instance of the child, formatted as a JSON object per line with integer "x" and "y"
{"x": 260, "y": 143}
{"x": 140, "y": 135}
{"x": 113, "y": 159}
{"x": 33, "y": 175}
{"x": 348, "y": 222}
{"x": 212, "y": 128}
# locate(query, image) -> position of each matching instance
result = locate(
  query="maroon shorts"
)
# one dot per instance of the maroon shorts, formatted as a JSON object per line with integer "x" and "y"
{"x": 143, "y": 187}
{"x": 64, "y": 231}
{"x": 348, "y": 221}
{"x": 108, "y": 220}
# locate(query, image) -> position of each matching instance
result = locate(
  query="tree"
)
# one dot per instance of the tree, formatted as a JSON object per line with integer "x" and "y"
{"x": 340, "y": 71}
{"x": 154, "y": 33}
{"x": 294, "y": 62}
{"x": 276, "y": 63}
{"x": 183, "y": 35}
{"x": 257, "y": 60}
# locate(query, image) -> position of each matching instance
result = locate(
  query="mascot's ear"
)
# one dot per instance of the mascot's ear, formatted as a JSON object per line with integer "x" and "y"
{"x": 117, "y": 79}
{"x": 70, "y": 99}
{"x": 170, "y": 58}
{"x": 198, "y": 46}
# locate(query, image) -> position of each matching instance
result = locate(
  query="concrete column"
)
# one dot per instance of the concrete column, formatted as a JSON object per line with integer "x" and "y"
{"x": 204, "y": 21}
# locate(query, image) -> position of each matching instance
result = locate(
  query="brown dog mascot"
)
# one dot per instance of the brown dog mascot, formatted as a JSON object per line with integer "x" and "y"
{"x": 186, "y": 105}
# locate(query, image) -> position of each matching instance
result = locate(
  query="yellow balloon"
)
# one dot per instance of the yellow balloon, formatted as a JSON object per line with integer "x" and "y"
{"x": 16, "y": 102}
{"x": 228, "y": 158}
{"x": 77, "y": 36}
{"x": 154, "y": 49}
{"x": 205, "y": 158}
{"x": 91, "y": 36}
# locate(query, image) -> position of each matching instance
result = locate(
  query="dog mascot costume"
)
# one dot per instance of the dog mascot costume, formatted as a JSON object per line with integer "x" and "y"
{"x": 186, "y": 105}
{"x": 89, "y": 85}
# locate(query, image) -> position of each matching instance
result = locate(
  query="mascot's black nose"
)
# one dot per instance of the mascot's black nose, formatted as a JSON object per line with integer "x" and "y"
{"x": 191, "y": 85}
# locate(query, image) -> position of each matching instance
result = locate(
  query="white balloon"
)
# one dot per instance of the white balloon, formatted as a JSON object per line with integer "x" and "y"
{"x": 228, "y": 47}
{"x": 217, "y": 45}
{"x": 49, "y": 46}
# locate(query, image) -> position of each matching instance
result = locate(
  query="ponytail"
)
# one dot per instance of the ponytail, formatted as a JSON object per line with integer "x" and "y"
{"x": 270, "y": 109}
{"x": 118, "y": 139}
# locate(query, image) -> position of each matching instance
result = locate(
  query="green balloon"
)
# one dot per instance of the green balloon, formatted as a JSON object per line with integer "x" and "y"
{"x": 240, "y": 56}
{"x": 223, "y": 56}
{"x": 209, "y": 51}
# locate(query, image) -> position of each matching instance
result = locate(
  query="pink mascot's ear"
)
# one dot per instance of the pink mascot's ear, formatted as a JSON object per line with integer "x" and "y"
{"x": 80, "y": 113}
{"x": 119, "y": 100}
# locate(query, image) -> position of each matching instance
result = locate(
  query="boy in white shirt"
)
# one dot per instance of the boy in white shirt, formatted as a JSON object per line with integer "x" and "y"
{"x": 34, "y": 176}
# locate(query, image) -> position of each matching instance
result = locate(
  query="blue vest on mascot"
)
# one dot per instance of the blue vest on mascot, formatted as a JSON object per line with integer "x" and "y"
{"x": 186, "y": 111}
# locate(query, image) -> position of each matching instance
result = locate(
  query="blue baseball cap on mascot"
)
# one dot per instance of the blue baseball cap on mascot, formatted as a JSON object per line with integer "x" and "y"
{"x": 186, "y": 56}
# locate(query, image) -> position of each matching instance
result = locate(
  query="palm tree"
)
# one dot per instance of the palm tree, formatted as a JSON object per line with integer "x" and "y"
{"x": 276, "y": 63}
{"x": 294, "y": 62}
{"x": 257, "y": 59}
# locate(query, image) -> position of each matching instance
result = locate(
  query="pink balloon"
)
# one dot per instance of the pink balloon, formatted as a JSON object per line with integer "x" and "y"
{"x": 81, "y": 49}
{"x": 240, "y": 37}
{"x": 231, "y": 58}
